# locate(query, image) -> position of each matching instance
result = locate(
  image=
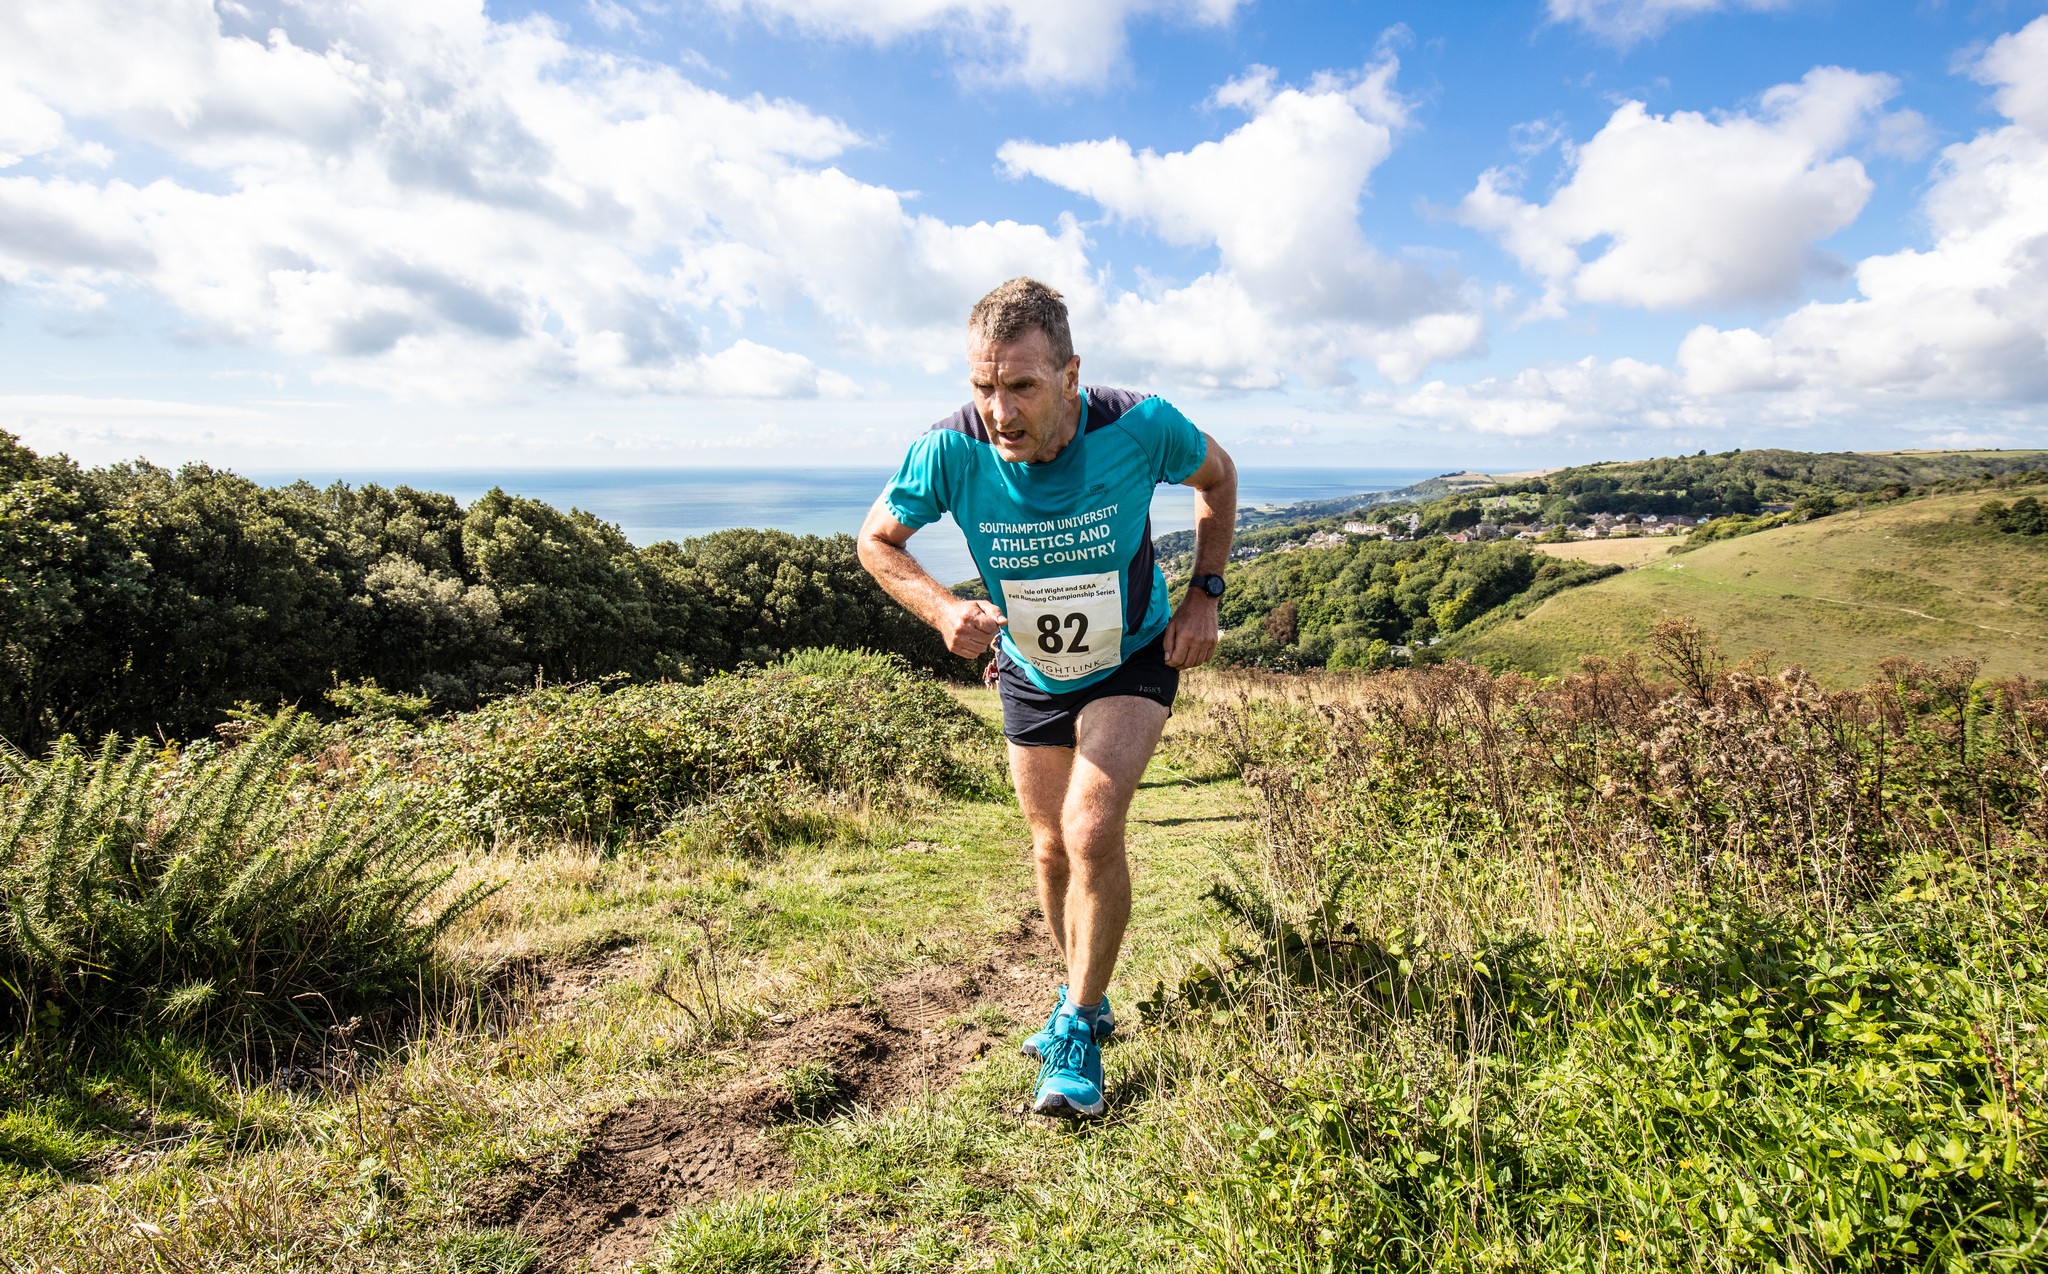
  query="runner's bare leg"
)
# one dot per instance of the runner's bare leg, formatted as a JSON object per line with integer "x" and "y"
{"x": 1084, "y": 877}
{"x": 1040, "y": 776}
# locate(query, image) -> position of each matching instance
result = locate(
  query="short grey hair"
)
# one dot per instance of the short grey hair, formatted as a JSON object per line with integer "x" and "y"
{"x": 1014, "y": 308}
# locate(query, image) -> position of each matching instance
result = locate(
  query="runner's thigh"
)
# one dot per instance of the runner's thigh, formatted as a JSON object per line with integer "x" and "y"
{"x": 1041, "y": 776}
{"x": 1114, "y": 739}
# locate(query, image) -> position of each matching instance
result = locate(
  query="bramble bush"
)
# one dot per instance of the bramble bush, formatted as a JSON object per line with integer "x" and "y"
{"x": 1714, "y": 970}
{"x": 747, "y": 757}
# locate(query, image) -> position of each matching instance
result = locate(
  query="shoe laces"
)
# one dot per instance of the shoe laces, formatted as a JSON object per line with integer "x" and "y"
{"x": 1064, "y": 1051}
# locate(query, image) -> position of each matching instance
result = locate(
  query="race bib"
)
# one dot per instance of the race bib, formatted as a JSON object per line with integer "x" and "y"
{"x": 1067, "y": 627}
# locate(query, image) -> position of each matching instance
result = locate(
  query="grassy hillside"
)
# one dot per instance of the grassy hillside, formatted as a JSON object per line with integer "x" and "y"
{"x": 1463, "y": 482}
{"x": 1917, "y": 579}
{"x": 1624, "y": 551}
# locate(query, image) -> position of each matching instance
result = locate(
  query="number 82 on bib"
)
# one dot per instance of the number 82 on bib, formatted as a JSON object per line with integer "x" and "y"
{"x": 1069, "y": 626}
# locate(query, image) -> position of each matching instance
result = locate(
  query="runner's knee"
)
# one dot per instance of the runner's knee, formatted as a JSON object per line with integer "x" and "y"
{"x": 1092, "y": 835}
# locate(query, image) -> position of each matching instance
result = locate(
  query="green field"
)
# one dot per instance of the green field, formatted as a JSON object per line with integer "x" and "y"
{"x": 1918, "y": 579}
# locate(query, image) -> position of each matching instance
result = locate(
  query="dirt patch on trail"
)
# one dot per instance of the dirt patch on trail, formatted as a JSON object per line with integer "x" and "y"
{"x": 559, "y": 993}
{"x": 652, "y": 1157}
{"x": 645, "y": 1161}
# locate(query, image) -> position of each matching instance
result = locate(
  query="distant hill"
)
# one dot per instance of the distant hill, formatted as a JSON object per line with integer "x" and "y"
{"x": 1918, "y": 578}
{"x": 1746, "y": 482}
{"x": 1729, "y": 482}
{"x": 1459, "y": 483}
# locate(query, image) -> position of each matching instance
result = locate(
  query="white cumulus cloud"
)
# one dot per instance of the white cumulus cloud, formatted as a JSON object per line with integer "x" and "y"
{"x": 1945, "y": 344}
{"x": 1588, "y": 395}
{"x": 1688, "y": 210}
{"x": 1041, "y": 44}
{"x": 1298, "y": 286}
{"x": 1964, "y": 319}
{"x": 1628, "y": 22}
{"x": 414, "y": 196}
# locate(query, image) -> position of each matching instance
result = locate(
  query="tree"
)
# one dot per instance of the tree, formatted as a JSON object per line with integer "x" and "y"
{"x": 2027, "y": 517}
{"x": 1281, "y": 623}
{"x": 432, "y": 632}
{"x": 249, "y": 594}
{"x": 570, "y": 588}
{"x": 772, "y": 592}
{"x": 142, "y": 600}
{"x": 67, "y": 576}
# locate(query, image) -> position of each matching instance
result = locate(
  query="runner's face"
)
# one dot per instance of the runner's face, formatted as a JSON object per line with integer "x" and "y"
{"x": 1029, "y": 403}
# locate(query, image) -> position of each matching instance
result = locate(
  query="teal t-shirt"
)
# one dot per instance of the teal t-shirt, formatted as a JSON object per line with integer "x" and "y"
{"x": 1065, "y": 547}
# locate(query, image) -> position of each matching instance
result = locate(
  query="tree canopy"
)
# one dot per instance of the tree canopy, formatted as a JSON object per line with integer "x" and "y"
{"x": 145, "y": 600}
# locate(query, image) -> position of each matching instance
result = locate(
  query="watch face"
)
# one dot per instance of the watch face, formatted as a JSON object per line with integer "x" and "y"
{"x": 1212, "y": 585}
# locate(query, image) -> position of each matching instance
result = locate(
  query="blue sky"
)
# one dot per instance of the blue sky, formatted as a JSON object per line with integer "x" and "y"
{"x": 434, "y": 233}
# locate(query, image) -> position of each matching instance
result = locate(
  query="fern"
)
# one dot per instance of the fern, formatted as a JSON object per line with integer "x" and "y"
{"x": 208, "y": 890}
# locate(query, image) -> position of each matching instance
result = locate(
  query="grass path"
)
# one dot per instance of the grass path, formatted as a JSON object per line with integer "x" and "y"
{"x": 272, "y": 1177}
{"x": 1920, "y": 614}
{"x": 969, "y": 1180}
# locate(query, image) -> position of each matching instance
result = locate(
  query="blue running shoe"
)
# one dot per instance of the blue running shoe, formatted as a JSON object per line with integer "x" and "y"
{"x": 1105, "y": 1022}
{"x": 1070, "y": 1078}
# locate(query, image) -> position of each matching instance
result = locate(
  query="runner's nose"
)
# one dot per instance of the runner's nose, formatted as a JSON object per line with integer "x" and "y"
{"x": 1000, "y": 412}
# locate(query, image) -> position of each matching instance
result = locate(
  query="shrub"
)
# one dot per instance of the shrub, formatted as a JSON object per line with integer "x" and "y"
{"x": 209, "y": 891}
{"x": 1714, "y": 970}
{"x": 1733, "y": 1091}
{"x": 748, "y": 752}
{"x": 2026, "y": 516}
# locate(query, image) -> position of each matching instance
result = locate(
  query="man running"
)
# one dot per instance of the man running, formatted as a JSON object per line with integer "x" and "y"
{"x": 1052, "y": 484}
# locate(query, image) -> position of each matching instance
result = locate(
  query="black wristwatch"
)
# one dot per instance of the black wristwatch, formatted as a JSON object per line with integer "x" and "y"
{"x": 1210, "y": 584}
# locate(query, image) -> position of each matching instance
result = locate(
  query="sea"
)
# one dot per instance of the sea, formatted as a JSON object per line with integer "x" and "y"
{"x": 651, "y": 505}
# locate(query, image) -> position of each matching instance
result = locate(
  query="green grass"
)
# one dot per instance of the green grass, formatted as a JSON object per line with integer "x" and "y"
{"x": 1531, "y": 1043}
{"x": 377, "y": 1177}
{"x": 1837, "y": 595}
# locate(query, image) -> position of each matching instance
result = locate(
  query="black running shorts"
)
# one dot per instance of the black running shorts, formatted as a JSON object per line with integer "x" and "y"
{"x": 1038, "y": 718}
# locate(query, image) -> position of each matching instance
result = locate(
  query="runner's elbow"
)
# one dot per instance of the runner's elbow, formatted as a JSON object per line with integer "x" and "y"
{"x": 1226, "y": 472}
{"x": 1218, "y": 474}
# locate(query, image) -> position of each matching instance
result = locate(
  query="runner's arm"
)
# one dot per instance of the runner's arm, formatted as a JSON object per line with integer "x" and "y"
{"x": 968, "y": 627}
{"x": 1191, "y": 634}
